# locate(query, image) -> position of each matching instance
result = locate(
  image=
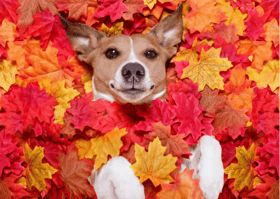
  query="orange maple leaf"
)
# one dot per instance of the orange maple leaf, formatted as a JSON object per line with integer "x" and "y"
{"x": 261, "y": 50}
{"x": 271, "y": 32}
{"x": 31, "y": 7}
{"x": 211, "y": 101}
{"x": 175, "y": 144}
{"x": 184, "y": 187}
{"x": 74, "y": 173}
{"x": 45, "y": 65}
{"x": 238, "y": 90}
{"x": 230, "y": 118}
{"x": 203, "y": 15}
{"x": 243, "y": 171}
{"x": 76, "y": 8}
{"x": 18, "y": 51}
{"x": 7, "y": 32}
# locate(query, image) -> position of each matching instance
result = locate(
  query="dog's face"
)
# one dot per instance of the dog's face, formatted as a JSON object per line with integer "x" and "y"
{"x": 128, "y": 69}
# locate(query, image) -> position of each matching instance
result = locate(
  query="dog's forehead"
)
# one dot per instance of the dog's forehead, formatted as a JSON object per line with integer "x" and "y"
{"x": 116, "y": 41}
{"x": 144, "y": 41}
{"x": 139, "y": 41}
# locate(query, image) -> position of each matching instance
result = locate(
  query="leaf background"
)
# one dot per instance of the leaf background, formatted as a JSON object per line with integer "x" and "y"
{"x": 37, "y": 63}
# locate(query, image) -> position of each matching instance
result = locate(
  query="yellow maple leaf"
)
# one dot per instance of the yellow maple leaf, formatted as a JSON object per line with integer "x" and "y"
{"x": 83, "y": 147}
{"x": 62, "y": 95}
{"x": 238, "y": 90}
{"x": 190, "y": 54}
{"x": 87, "y": 79}
{"x": 271, "y": 31}
{"x": 8, "y": 72}
{"x": 243, "y": 171}
{"x": 7, "y": 32}
{"x": 203, "y": 15}
{"x": 206, "y": 70}
{"x": 116, "y": 28}
{"x": 234, "y": 16}
{"x": 268, "y": 76}
{"x": 261, "y": 51}
{"x": 36, "y": 171}
{"x": 109, "y": 144}
{"x": 150, "y": 3}
{"x": 153, "y": 164}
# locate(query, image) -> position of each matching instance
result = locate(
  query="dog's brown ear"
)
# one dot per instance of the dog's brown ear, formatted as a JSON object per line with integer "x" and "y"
{"x": 169, "y": 31}
{"x": 83, "y": 38}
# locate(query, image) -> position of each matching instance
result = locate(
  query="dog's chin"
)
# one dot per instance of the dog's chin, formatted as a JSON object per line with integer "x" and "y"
{"x": 130, "y": 95}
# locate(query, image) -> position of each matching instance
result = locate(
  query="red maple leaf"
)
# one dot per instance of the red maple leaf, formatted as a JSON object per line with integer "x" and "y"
{"x": 266, "y": 188}
{"x": 135, "y": 26}
{"x": 254, "y": 25}
{"x": 134, "y": 6}
{"x": 113, "y": 8}
{"x": 11, "y": 188}
{"x": 122, "y": 116}
{"x": 271, "y": 10}
{"x": 187, "y": 87}
{"x": 11, "y": 121}
{"x": 179, "y": 66}
{"x": 269, "y": 154}
{"x": 9, "y": 154}
{"x": 159, "y": 112}
{"x": 86, "y": 112}
{"x": 31, "y": 102}
{"x": 263, "y": 116}
{"x": 243, "y": 5}
{"x": 8, "y": 10}
{"x": 229, "y": 51}
{"x": 45, "y": 27}
{"x": 189, "y": 115}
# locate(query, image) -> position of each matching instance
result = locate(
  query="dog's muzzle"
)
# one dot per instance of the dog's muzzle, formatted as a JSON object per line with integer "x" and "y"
{"x": 133, "y": 72}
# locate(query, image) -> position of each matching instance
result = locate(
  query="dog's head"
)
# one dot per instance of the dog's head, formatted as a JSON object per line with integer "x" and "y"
{"x": 128, "y": 68}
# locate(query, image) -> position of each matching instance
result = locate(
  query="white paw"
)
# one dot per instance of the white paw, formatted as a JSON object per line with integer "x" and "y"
{"x": 210, "y": 167}
{"x": 116, "y": 180}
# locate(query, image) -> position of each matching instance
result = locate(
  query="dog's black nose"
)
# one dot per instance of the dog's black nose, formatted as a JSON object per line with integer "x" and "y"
{"x": 133, "y": 72}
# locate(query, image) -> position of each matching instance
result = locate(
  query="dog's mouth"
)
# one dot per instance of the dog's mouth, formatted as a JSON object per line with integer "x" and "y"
{"x": 133, "y": 91}
{"x": 130, "y": 93}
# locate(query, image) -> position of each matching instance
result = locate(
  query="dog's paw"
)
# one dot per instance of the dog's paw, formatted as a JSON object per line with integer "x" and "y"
{"x": 116, "y": 180}
{"x": 210, "y": 167}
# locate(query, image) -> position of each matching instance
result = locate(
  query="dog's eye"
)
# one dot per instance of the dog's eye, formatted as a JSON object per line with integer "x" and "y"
{"x": 112, "y": 53}
{"x": 150, "y": 54}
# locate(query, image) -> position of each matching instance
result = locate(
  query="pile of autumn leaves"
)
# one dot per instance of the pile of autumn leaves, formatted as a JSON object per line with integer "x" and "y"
{"x": 52, "y": 133}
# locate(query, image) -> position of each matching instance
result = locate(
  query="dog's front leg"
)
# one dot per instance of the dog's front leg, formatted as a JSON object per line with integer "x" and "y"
{"x": 208, "y": 167}
{"x": 116, "y": 180}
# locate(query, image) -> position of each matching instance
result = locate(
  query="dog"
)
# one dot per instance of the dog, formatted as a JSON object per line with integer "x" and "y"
{"x": 131, "y": 69}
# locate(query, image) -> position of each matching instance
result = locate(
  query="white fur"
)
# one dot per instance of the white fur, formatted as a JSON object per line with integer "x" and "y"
{"x": 83, "y": 41}
{"x": 116, "y": 180}
{"x": 169, "y": 34}
{"x": 208, "y": 166}
{"x": 155, "y": 96}
{"x": 99, "y": 95}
